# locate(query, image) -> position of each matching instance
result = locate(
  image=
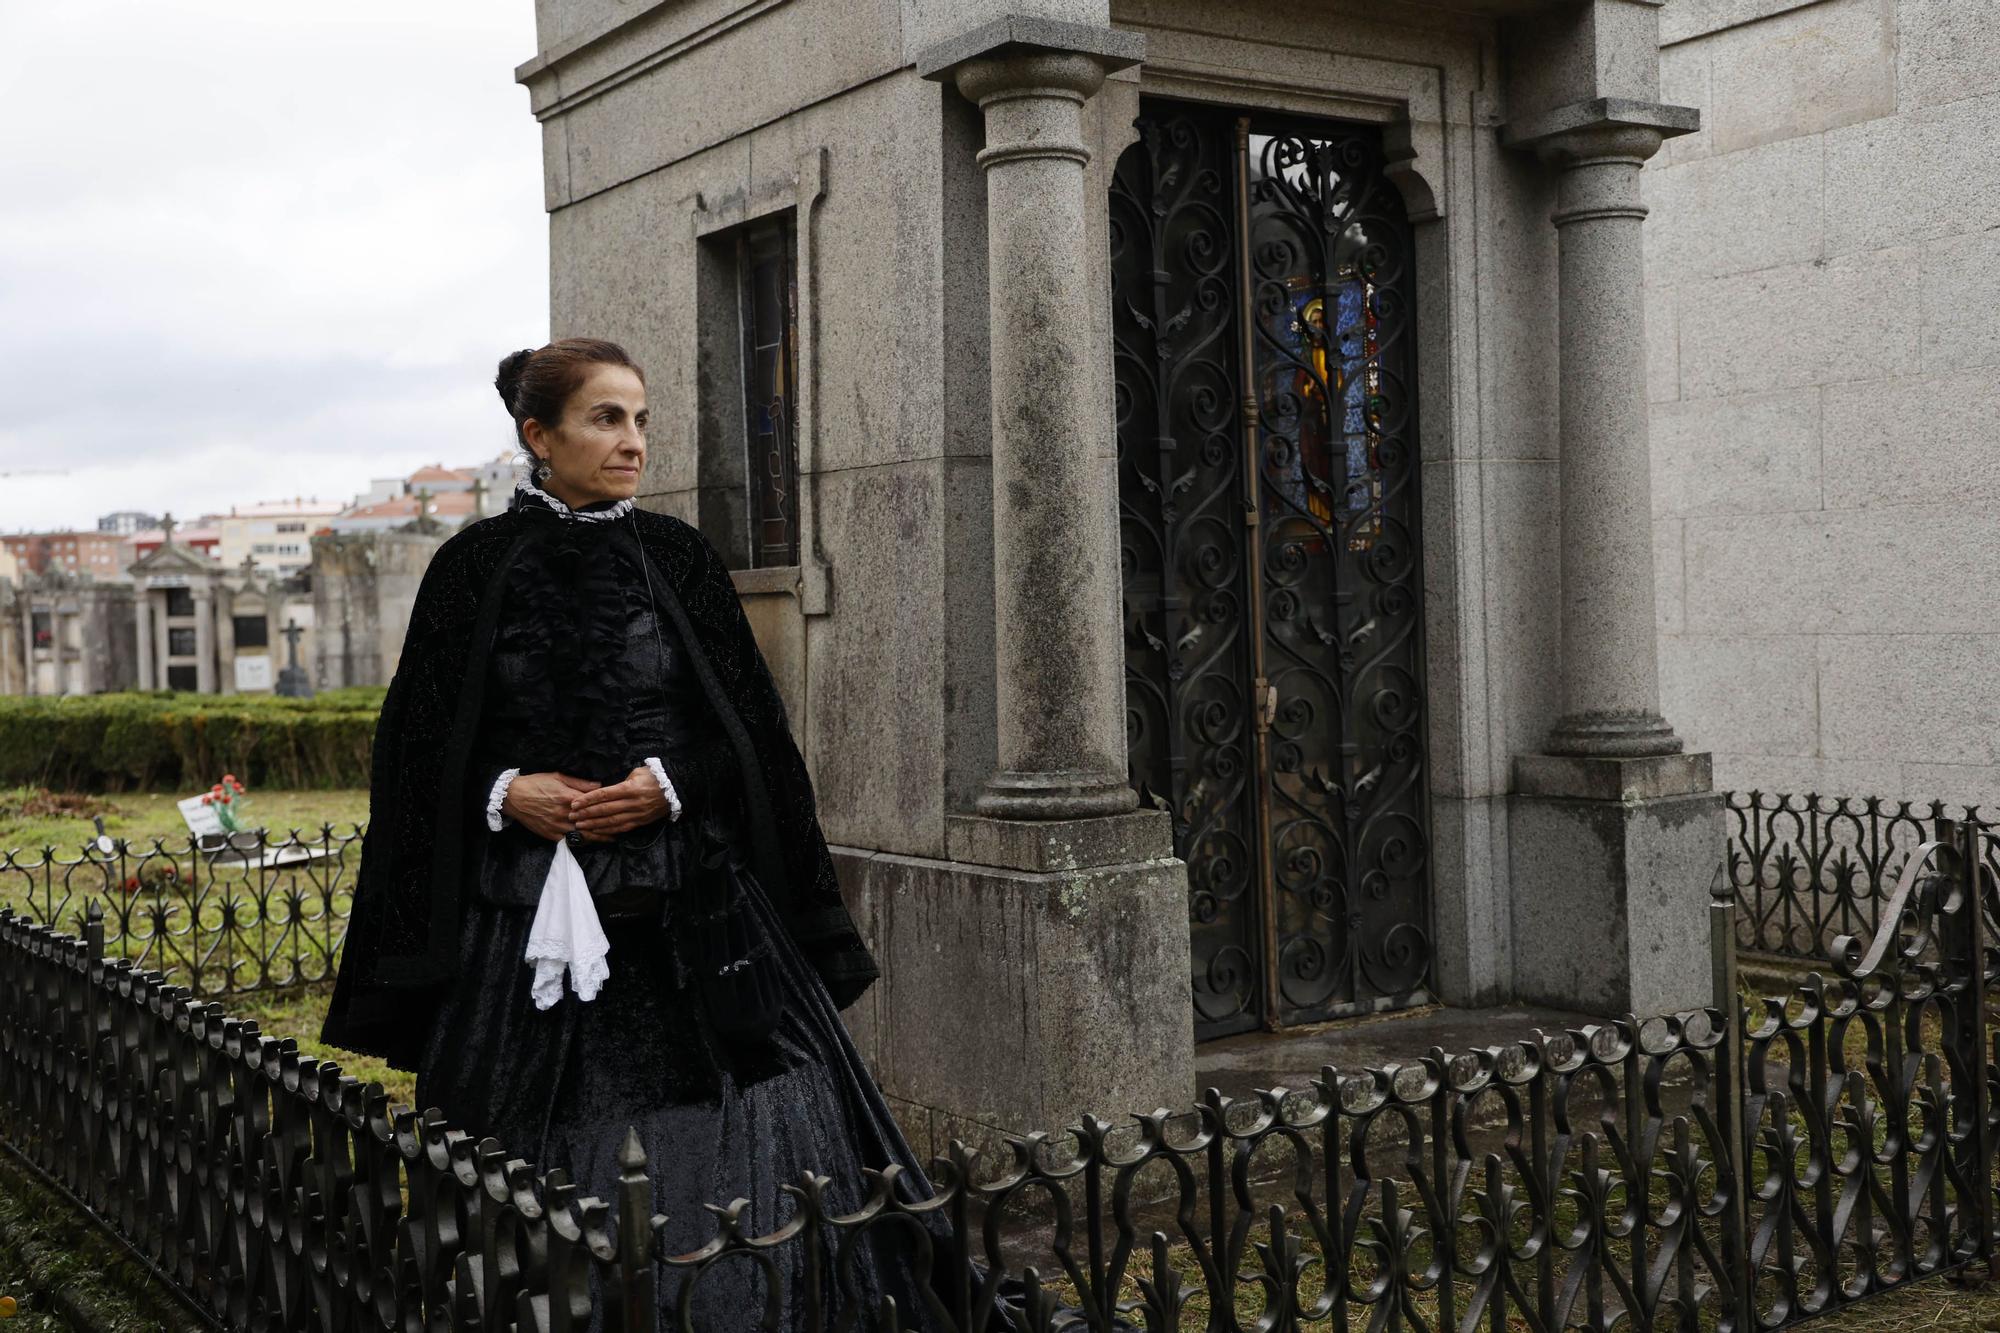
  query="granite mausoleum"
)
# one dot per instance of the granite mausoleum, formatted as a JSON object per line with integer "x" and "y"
{"x": 364, "y": 584}
{"x": 64, "y": 633}
{"x": 1192, "y": 468}
{"x": 202, "y": 626}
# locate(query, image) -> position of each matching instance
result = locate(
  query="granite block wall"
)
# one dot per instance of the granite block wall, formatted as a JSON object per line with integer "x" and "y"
{"x": 1823, "y": 312}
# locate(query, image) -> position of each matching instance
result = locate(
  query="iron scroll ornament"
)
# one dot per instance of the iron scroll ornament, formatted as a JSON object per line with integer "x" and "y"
{"x": 1181, "y": 499}
{"x": 1330, "y": 266}
{"x": 1272, "y": 603}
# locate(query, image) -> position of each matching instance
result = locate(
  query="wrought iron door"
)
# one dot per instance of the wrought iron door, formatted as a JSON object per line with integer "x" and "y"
{"x": 1261, "y": 288}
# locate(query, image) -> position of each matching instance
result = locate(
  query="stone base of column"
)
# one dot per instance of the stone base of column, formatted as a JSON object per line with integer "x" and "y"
{"x": 1623, "y": 735}
{"x": 1064, "y": 794}
{"x": 1612, "y": 863}
{"x": 1039, "y": 973}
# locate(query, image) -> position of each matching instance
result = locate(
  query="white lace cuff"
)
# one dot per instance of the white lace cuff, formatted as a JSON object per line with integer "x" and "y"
{"x": 494, "y": 819}
{"x": 666, "y": 787}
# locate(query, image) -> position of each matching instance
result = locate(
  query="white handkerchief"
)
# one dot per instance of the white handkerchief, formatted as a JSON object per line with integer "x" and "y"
{"x": 566, "y": 935}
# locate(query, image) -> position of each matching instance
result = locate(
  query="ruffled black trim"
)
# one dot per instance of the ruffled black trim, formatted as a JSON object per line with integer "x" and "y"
{"x": 566, "y": 625}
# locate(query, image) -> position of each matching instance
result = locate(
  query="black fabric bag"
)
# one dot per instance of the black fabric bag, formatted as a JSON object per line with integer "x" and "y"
{"x": 735, "y": 962}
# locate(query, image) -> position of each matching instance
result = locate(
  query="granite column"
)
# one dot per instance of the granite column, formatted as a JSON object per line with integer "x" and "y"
{"x": 1614, "y": 833}
{"x": 1088, "y": 1006}
{"x": 1611, "y": 685}
{"x": 1060, "y": 682}
{"x": 140, "y": 608}
{"x": 204, "y": 639}
{"x": 28, "y": 647}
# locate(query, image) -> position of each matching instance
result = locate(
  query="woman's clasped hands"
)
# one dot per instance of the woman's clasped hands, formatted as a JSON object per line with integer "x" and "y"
{"x": 551, "y": 805}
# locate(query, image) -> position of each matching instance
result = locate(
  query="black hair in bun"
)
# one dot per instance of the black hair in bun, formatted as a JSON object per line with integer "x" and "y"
{"x": 508, "y": 381}
{"x": 535, "y": 383}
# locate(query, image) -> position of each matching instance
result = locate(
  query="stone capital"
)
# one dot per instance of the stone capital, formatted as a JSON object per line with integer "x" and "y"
{"x": 1109, "y": 49}
{"x": 1070, "y": 76}
{"x": 1033, "y": 103}
{"x": 1601, "y": 129}
{"x": 1031, "y": 77}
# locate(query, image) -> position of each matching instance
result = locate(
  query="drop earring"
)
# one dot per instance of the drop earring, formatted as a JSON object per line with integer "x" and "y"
{"x": 543, "y": 472}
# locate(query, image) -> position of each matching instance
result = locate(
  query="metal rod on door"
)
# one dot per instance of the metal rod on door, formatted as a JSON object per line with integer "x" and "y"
{"x": 1262, "y": 692}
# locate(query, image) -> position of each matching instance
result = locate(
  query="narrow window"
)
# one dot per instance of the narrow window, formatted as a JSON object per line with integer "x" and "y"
{"x": 180, "y": 602}
{"x": 768, "y": 309}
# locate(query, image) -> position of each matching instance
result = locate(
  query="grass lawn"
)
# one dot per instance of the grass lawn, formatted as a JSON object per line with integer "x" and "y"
{"x": 298, "y": 1014}
{"x": 32, "y": 819}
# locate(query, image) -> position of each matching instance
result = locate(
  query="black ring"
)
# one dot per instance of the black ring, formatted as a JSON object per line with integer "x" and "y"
{"x": 575, "y": 837}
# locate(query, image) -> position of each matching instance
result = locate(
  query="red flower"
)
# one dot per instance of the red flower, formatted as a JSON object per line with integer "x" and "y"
{"x": 208, "y": 798}
{"x": 169, "y": 872}
{"x": 131, "y": 884}
{"x": 216, "y": 790}
{"x": 229, "y": 777}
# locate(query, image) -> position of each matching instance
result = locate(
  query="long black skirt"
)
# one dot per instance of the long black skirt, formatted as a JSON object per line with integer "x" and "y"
{"x": 564, "y": 1087}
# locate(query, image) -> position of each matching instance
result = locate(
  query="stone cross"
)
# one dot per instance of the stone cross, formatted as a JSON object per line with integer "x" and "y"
{"x": 293, "y": 682}
{"x": 423, "y": 522}
{"x": 167, "y": 529}
{"x": 479, "y": 497}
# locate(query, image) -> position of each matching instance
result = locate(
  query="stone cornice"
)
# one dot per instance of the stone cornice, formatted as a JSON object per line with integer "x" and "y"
{"x": 1112, "y": 48}
{"x": 1600, "y": 113}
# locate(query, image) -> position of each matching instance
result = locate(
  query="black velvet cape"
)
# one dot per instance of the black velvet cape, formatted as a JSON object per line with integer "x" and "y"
{"x": 402, "y": 945}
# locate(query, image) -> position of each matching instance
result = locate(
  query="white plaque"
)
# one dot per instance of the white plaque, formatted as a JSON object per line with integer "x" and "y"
{"x": 253, "y": 673}
{"x": 201, "y": 819}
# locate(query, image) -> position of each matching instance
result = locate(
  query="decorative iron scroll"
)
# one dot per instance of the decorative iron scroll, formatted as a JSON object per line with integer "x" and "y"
{"x": 1809, "y": 868}
{"x": 1262, "y": 320}
{"x": 1739, "y": 1167}
{"x": 1330, "y": 265}
{"x": 256, "y": 911}
{"x": 1181, "y": 504}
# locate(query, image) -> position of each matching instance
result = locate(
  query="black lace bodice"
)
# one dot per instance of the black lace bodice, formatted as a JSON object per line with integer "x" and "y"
{"x": 586, "y": 678}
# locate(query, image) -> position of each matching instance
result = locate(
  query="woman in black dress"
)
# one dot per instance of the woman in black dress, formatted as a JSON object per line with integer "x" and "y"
{"x": 579, "y": 688}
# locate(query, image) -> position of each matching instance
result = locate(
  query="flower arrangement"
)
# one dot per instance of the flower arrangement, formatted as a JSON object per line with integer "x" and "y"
{"x": 226, "y": 798}
{"x": 153, "y": 876}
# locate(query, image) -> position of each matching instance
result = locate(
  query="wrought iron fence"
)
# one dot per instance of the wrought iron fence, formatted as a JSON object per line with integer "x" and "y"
{"x": 248, "y": 911}
{"x": 1807, "y": 869}
{"x": 1740, "y": 1167}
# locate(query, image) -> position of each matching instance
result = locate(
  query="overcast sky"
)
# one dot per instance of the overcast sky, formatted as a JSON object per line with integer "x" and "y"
{"x": 251, "y": 250}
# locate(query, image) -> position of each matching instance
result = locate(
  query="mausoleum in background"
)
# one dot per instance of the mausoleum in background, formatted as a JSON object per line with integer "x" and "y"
{"x": 1189, "y": 467}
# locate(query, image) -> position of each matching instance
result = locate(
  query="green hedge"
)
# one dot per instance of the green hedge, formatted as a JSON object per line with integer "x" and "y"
{"x": 174, "y": 742}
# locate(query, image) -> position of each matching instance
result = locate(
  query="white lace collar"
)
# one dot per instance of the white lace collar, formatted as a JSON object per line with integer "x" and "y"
{"x": 617, "y": 510}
